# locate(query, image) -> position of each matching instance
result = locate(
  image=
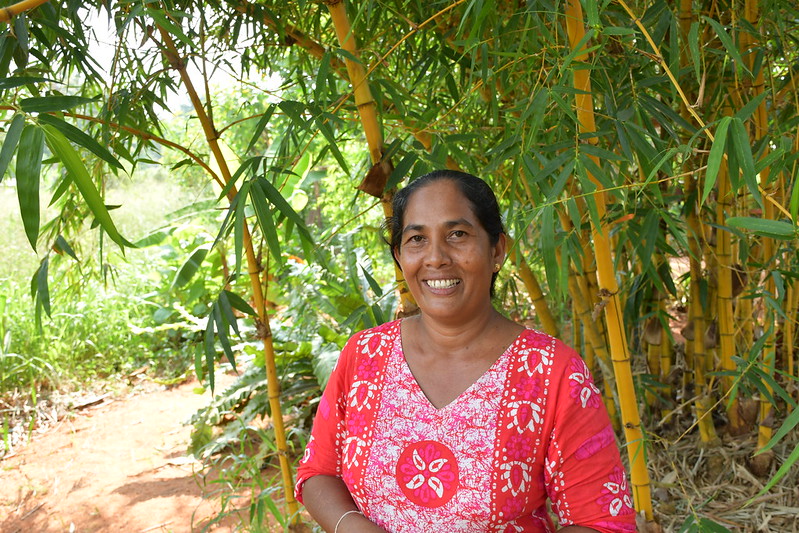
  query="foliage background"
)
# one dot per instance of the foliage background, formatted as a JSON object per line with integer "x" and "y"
{"x": 622, "y": 140}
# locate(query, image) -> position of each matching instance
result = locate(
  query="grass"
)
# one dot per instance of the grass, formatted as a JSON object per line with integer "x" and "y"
{"x": 90, "y": 332}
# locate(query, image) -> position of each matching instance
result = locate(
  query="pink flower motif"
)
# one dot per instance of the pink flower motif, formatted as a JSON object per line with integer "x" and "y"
{"x": 324, "y": 407}
{"x": 372, "y": 343}
{"x": 367, "y": 369}
{"x": 519, "y": 447}
{"x": 528, "y": 388}
{"x": 512, "y": 507}
{"x": 356, "y": 423}
{"x": 427, "y": 473}
{"x": 583, "y": 389}
{"x": 616, "y": 495}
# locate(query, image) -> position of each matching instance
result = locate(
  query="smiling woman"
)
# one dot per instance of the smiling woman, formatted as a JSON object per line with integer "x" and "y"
{"x": 458, "y": 418}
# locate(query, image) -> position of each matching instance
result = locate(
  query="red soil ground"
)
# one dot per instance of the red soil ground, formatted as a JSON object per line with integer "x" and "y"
{"x": 117, "y": 466}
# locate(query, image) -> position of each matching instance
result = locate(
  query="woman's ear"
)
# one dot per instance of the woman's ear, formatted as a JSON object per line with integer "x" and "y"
{"x": 395, "y": 252}
{"x": 500, "y": 249}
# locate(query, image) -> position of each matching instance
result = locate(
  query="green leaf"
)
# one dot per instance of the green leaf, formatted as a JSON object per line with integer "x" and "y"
{"x": 729, "y": 45}
{"x": 776, "y": 229}
{"x": 48, "y": 104}
{"x": 784, "y": 469}
{"x": 715, "y": 157}
{"x": 10, "y": 143}
{"x": 794, "y": 205}
{"x": 77, "y": 136}
{"x": 264, "y": 216}
{"x": 221, "y": 332}
{"x": 283, "y": 206}
{"x": 210, "y": 351}
{"x": 743, "y": 154}
{"x": 162, "y": 21}
{"x": 62, "y": 246}
{"x": 259, "y": 128}
{"x": 693, "y": 47}
{"x": 224, "y": 304}
{"x": 19, "y": 81}
{"x": 42, "y": 288}
{"x": 190, "y": 266}
{"x": 238, "y": 303}
{"x": 29, "y": 165}
{"x": 746, "y": 111}
{"x": 61, "y": 147}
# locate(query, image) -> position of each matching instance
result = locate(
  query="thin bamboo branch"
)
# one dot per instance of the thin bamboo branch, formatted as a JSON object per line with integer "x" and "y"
{"x": 171, "y": 53}
{"x": 9, "y": 12}
{"x": 609, "y": 288}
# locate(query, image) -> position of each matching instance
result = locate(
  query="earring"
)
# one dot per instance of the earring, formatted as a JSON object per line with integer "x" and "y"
{"x": 497, "y": 266}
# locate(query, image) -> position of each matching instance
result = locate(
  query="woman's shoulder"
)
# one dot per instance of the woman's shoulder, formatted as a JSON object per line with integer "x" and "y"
{"x": 370, "y": 341}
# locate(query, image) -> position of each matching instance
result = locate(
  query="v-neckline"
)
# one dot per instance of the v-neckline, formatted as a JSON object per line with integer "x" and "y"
{"x": 417, "y": 388}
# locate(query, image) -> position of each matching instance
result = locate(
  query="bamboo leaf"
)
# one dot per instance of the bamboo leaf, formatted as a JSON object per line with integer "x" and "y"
{"x": 210, "y": 351}
{"x": 693, "y": 47}
{"x": 29, "y": 165}
{"x": 794, "y": 204}
{"x": 401, "y": 170}
{"x": 42, "y": 287}
{"x": 10, "y": 143}
{"x": 283, "y": 206}
{"x": 776, "y": 229}
{"x": 48, "y": 104}
{"x": 743, "y": 154}
{"x": 164, "y": 22}
{"x": 327, "y": 133}
{"x": 190, "y": 266}
{"x": 221, "y": 332}
{"x": 224, "y": 303}
{"x": 729, "y": 45}
{"x": 62, "y": 246}
{"x": 784, "y": 469}
{"x": 77, "y": 136}
{"x": 18, "y": 81}
{"x": 267, "y": 224}
{"x": 746, "y": 111}
{"x": 715, "y": 157}
{"x": 259, "y": 128}
{"x": 61, "y": 147}
{"x": 238, "y": 302}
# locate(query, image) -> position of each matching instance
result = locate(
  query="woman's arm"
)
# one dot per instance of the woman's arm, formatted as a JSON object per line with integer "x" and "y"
{"x": 327, "y": 499}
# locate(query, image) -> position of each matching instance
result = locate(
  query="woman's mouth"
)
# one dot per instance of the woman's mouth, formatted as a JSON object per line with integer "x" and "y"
{"x": 442, "y": 283}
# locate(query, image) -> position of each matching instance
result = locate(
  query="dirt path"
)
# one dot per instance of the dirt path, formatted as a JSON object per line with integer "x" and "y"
{"x": 117, "y": 466}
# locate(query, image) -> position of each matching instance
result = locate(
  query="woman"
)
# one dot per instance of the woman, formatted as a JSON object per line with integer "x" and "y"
{"x": 459, "y": 419}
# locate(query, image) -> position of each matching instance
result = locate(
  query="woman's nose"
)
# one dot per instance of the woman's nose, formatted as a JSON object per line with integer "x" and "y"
{"x": 437, "y": 254}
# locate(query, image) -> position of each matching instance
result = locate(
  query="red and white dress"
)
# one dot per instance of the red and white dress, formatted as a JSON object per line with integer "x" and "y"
{"x": 532, "y": 428}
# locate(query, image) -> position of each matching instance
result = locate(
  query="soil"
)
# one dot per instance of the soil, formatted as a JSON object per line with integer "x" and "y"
{"x": 119, "y": 465}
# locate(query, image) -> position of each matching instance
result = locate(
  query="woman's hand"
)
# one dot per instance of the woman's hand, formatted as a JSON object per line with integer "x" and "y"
{"x": 328, "y": 499}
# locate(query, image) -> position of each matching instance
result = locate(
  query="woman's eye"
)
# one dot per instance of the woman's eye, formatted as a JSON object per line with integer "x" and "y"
{"x": 415, "y": 238}
{"x": 458, "y": 233}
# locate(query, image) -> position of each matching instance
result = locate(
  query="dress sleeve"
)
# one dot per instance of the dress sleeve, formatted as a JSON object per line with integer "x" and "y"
{"x": 584, "y": 475}
{"x": 323, "y": 453}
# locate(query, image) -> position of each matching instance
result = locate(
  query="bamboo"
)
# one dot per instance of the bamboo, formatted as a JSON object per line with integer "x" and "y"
{"x": 724, "y": 296}
{"x": 607, "y": 280}
{"x": 542, "y": 311}
{"x": 367, "y": 112}
{"x": 273, "y": 385}
{"x": 9, "y": 12}
{"x": 767, "y": 259}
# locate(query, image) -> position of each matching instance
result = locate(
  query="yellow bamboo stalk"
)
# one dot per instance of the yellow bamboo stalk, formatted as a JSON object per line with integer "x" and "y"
{"x": 367, "y": 112}
{"x": 273, "y": 384}
{"x": 542, "y": 311}
{"x": 768, "y": 247}
{"x": 724, "y": 296}
{"x": 9, "y": 12}
{"x": 596, "y": 340}
{"x": 607, "y": 280}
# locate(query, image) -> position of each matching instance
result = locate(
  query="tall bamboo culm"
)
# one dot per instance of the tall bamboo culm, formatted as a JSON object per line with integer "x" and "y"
{"x": 608, "y": 286}
{"x": 273, "y": 384}
{"x": 367, "y": 111}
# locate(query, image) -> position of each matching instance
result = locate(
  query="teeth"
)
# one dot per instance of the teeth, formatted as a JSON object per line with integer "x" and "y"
{"x": 442, "y": 283}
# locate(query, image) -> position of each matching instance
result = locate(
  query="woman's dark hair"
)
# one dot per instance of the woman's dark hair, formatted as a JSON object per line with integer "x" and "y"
{"x": 481, "y": 199}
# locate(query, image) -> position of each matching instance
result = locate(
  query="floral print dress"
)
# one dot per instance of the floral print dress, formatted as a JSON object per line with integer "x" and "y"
{"x": 532, "y": 428}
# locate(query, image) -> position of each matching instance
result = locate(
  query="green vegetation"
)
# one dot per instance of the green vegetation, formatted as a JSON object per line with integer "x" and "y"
{"x": 645, "y": 157}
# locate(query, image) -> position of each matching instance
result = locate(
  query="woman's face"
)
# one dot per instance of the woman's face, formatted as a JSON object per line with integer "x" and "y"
{"x": 445, "y": 253}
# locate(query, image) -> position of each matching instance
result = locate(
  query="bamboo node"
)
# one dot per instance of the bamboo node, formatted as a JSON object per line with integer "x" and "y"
{"x": 262, "y": 330}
